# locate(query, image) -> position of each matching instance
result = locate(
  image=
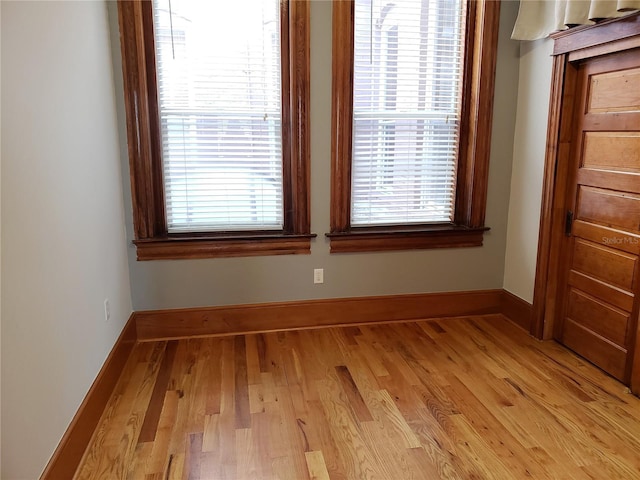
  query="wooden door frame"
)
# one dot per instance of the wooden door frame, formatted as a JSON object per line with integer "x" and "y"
{"x": 570, "y": 47}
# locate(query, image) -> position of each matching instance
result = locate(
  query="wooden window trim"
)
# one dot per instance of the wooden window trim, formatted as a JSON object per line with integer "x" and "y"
{"x": 152, "y": 239}
{"x": 475, "y": 142}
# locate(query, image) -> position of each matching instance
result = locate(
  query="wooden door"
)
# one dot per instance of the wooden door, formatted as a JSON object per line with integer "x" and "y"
{"x": 600, "y": 273}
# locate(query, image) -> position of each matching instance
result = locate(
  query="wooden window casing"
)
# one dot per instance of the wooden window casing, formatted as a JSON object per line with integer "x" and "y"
{"x": 468, "y": 227}
{"x": 152, "y": 239}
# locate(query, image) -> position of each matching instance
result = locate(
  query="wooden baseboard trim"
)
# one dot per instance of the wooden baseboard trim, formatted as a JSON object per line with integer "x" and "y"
{"x": 517, "y": 310}
{"x": 238, "y": 319}
{"x": 66, "y": 458}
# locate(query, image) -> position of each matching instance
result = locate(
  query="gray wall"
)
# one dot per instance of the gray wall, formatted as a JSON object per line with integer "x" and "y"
{"x": 528, "y": 167}
{"x": 190, "y": 283}
{"x": 63, "y": 246}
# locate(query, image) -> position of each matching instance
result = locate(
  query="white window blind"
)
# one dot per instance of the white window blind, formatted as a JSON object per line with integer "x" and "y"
{"x": 219, "y": 89}
{"x": 408, "y": 65}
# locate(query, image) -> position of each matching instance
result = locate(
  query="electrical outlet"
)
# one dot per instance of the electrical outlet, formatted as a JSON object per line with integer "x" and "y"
{"x": 318, "y": 275}
{"x": 107, "y": 310}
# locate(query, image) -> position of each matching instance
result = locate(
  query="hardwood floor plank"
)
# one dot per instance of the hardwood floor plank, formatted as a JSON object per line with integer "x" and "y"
{"x": 247, "y": 464}
{"x": 354, "y": 399}
{"x": 496, "y": 434}
{"x": 272, "y": 421}
{"x": 110, "y": 452}
{"x": 437, "y": 442}
{"x": 211, "y": 434}
{"x": 175, "y": 467}
{"x": 210, "y": 467}
{"x": 484, "y": 461}
{"x": 158, "y": 459}
{"x": 371, "y": 359}
{"x": 152, "y": 415}
{"x": 193, "y": 456}
{"x": 283, "y": 469}
{"x": 261, "y": 440}
{"x": 226, "y": 459}
{"x": 354, "y": 453}
{"x": 185, "y": 385}
{"x": 241, "y": 395}
{"x": 273, "y": 359}
{"x": 393, "y": 460}
{"x": 424, "y": 465}
{"x": 253, "y": 359}
{"x": 461, "y": 399}
{"x": 393, "y": 422}
{"x": 320, "y": 439}
{"x": 137, "y": 465}
{"x": 256, "y": 398}
{"x": 316, "y": 466}
{"x": 214, "y": 375}
{"x": 296, "y": 438}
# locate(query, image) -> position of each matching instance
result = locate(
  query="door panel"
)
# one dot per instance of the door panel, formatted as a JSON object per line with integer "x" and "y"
{"x": 607, "y": 355}
{"x": 614, "y": 91}
{"x": 616, "y": 151}
{"x": 628, "y": 183}
{"x": 598, "y": 316}
{"x": 625, "y": 241}
{"x": 609, "y": 207}
{"x": 604, "y": 263}
{"x": 599, "y": 279}
{"x": 616, "y": 296}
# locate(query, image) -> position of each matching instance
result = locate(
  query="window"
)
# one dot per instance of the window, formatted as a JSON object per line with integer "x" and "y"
{"x": 411, "y": 127}
{"x": 217, "y": 124}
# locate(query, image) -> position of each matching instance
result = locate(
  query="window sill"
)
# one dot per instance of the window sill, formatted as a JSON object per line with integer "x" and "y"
{"x": 367, "y": 239}
{"x": 248, "y": 245}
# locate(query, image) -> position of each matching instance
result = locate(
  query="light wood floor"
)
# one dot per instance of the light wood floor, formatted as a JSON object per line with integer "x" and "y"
{"x": 471, "y": 398}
